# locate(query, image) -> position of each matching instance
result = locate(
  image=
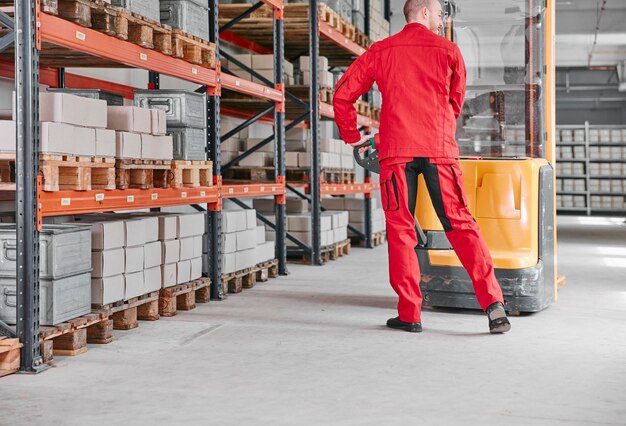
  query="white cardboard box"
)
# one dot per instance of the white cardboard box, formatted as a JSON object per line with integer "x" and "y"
{"x": 265, "y": 252}
{"x": 152, "y": 279}
{"x": 257, "y": 159}
{"x": 298, "y": 134}
{"x": 245, "y": 259}
{"x": 168, "y": 275}
{"x": 186, "y": 248}
{"x": 302, "y": 223}
{"x": 170, "y": 251}
{"x": 57, "y": 138}
{"x": 127, "y": 145}
{"x": 233, "y": 221}
{"x": 129, "y": 119}
{"x": 135, "y": 232}
{"x": 183, "y": 271}
{"x": 305, "y": 237}
{"x": 252, "y": 142}
{"x": 107, "y": 263}
{"x": 157, "y": 147}
{"x": 8, "y": 139}
{"x": 291, "y": 159}
{"x": 304, "y": 63}
{"x": 157, "y": 122}
{"x": 229, "y": 242}
{"x": 296, "y": 205}
{"x": 260, "y": 234}
{"x": 70, "y": 109}
{"x": 168, "y": 226}
{"x": 195, "y": 270}
{"x": 340, "y": 234}
{"x": 229, "y": 262}
{"x": 107, "y": 290}
{"x": 259, "y": 130}
{"x": 107, "y": 235}
{"x": 105, "y": 143}
{"x": 84, "y": 141}
{"x": 133, "y": 259}
{"x": 264, "y": 205}
{"x": 190, "y": 225}
{"x": 270, "y": 235}
{"x": 197, "y": 245}
{"x": 134, "y": 284}
{"x": 304, "y": 159}
{"x": 250, "y": 218}
{"x": 151, "y": 227}
{"x": 246, "y": 239}
{"x": 296, "y": 146}
{"x": 152, "y": 254}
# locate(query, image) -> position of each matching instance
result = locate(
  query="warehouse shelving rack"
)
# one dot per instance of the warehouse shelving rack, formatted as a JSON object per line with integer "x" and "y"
{"x": 325, "y": 40}
{"x": 31, "y": 30}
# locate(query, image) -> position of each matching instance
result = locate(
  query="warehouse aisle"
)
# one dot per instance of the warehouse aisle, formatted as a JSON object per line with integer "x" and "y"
{"x": 311, "y": 349}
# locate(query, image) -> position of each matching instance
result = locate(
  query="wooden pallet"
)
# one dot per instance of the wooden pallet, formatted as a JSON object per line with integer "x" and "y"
{"x": 376, "y": 113}
{"x": 183, "y": 297}
{"x": 361, "y": 39}
{"x": 193, "y": 49}
{"x": 141, "y": 174}
{"x": 363, "y": 108}
{"x": 338, "y": 176}
{"x": 267, "y": 270}
{"x": 126, "y": 313}
{"x": 190, "y": 174}
{"x": 70, "y": 338}
{"x": 326, "y": 95}
{"x": 328, "y": 253}
{"x": 9, "y": 355}
{"x": 332, "y": 18}
{"x": 143, "y": 31}
{"x": 251, "y": 174}
{"x": 231, "y": 11}
{"x": 66, "y": 172}
{"x": 378, "y": 238}
{"x": 235, "y": 282}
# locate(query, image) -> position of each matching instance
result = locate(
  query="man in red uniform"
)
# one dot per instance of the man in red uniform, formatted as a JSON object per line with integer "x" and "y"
{"x": 421, "y": 76}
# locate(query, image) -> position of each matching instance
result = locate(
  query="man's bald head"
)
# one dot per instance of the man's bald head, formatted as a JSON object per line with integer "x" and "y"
{"x": 425, "y": 12}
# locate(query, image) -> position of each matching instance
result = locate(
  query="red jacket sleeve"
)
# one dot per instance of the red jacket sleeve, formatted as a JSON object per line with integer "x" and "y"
{"x": 357, "y": 80}
{"x": 457, "y": 83}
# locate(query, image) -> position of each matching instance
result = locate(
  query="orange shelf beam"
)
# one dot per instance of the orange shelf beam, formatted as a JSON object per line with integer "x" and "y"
{"x": 345, "y": 189}
{"x": 250, "y": 88}
{"x": 80, "y": 202}
{"x": 339, "y": 39}
{"x": 252, "y": 190}
{"x": 72, "y": 36}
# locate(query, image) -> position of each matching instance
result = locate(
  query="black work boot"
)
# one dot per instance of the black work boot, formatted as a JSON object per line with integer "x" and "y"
{"x": 498, "y": 322}
{"x": 411, "y": 327}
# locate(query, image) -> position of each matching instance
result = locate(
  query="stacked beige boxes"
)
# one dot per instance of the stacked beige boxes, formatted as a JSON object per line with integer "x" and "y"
{"x": 188, "y": 236}
{"x": 261, "y": 64}
{"x": 356, "y": 209}
{"x": 243, "y": 241}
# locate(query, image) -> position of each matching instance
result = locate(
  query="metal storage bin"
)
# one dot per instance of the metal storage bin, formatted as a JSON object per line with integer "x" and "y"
{"x": 189, "y": 143}
{"x": 186, "y": 15}
{"x": 64, "y": 250}
{"x": 182, "y": 107}
{"x": 145, "y": 8}
{"x": 59, "y": 300}
{"x": 112, "y": 99}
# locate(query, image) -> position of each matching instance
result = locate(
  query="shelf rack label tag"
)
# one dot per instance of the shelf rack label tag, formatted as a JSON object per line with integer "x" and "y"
{"x": 203, "y": 193}
{"x": 143, "y": 56}
{"x": 81, "y": 36}
{"x": 130, "y": 199}
{"x": 183, "y": 195}
{"x": 66, "y": 201}
{"x": 154, "y": 197}
{"x": 99, "y": 197}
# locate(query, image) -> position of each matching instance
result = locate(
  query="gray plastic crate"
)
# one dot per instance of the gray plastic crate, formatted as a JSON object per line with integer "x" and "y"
{"x": 59, "y": 300}
{"x": 182, "y": 107}
{"x": 145, "y": 8}
{"x": 186, "y": 15}
{"x": 64, "y": 250}
{"x": 189, "y": 143}
{"x": 112, "y": 99}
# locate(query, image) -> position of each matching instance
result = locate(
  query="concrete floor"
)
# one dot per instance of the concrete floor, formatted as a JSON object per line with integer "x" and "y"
{"x": 311, "y": 349}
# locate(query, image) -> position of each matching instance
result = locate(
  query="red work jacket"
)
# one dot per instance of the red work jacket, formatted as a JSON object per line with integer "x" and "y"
{"x": 421, "y": 77}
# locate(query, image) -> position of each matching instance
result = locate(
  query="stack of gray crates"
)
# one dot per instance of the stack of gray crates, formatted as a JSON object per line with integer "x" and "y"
{"x": 185, "y": 114}
{"x": 145, "y": 8}
{"x": 112, "y": 99}
{"x": 64, "y": 270}
{"x": 190, "y": 16}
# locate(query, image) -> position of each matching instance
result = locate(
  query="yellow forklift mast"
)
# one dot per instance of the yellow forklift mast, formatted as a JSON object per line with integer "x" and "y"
{"x": 506, "y": 139}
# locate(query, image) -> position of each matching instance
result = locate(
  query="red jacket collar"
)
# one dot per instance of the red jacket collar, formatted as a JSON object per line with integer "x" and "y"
{"x": 416, "y": 25}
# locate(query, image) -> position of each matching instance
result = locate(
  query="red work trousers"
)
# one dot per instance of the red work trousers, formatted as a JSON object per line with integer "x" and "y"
{"x": 446, "y": 189}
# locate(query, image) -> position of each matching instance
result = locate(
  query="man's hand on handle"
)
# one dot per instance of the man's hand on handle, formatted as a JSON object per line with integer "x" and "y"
{"x": 361, "y": 141}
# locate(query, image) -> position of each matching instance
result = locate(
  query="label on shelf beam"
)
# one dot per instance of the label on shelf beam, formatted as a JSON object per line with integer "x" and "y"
{"x": 81, "y": 36}
{"x": 183, "y": 195}
{"x": 202, "y": 193}
{"x": 154, "y": 197}
{"x": 99, "y": 197}
{"x": 194, "y": 71}
{"x": 231, "y": 190}
{"x": 130, "y": 199}
{"x": 66, "y": 201}
{"x": 143, "y": 56}
{"x": 245, "y": 189}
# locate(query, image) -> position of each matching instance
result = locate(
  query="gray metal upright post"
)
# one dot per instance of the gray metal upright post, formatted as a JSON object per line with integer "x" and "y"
{"x": 367, "y": 175}
{"x": 279, "y": 142}
{"x": 316, "y": 211}
{"x": 27, "y": 169}
{"x": 214, "y": 218}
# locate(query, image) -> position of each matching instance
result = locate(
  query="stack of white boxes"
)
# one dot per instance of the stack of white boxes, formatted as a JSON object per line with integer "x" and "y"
{"x": 379, "y": 26}
{"x": 140, "y": 133}
{"x": 262, "y": 64}
{"x": 356, "y": 208}
{"x": 70, "y": 125}
{"x": 189, "y": 233}
{"x": 243, "y": 241}
{"x": 325, "y": 78}
{"x": 333, "y": 152}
